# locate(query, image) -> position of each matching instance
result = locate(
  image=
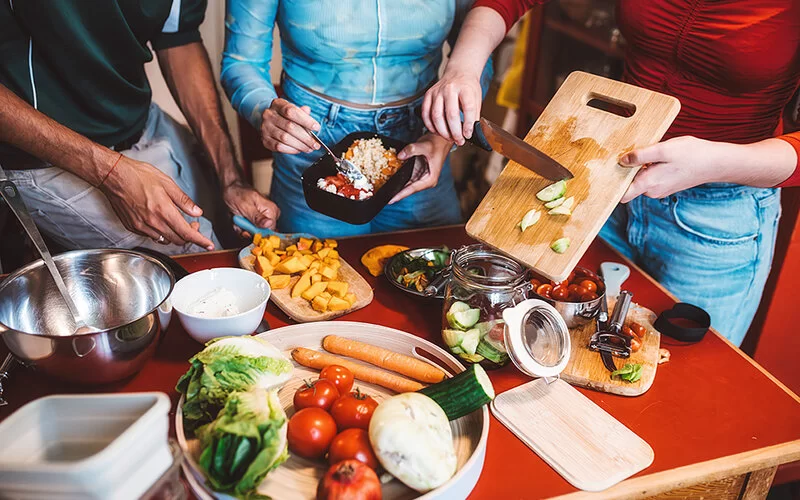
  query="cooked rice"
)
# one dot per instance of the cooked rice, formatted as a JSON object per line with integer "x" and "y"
{"x": 376, "y": 162}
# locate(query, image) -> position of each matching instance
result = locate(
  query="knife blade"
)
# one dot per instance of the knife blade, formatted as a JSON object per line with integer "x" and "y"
{"x": 492, "y": 137}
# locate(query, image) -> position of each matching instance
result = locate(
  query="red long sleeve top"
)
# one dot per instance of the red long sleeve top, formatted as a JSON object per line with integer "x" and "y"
{"x": 733, "y": 64}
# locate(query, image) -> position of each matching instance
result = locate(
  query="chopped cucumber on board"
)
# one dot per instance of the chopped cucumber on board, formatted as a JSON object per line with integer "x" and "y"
{"x": 560, "y": 245}
{"x": 529, "y": 219}
{"x": 553, "y": 191}
{"x": 554, "y": 203}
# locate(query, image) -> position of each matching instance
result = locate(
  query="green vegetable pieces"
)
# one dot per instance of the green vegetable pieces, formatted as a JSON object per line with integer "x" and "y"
{"x": 245, "y": 442}
{"x": 631, "y": 372}
{"x": 226, "y": 365}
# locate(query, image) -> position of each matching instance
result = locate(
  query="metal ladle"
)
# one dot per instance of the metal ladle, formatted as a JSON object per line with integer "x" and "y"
{"x": 10, "y": 193}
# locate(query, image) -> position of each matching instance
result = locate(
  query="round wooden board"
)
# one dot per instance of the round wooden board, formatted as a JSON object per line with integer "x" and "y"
{"x": 297, "y": 478}
{"x": 300, "y": 309}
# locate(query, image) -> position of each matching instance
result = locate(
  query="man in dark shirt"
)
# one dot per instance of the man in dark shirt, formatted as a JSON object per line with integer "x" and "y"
{"x": 97, "y": 163}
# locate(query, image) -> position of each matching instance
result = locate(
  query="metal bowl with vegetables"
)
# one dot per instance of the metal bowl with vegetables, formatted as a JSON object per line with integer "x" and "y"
{"x": 414, "y": 270}
{"x": 577, "y": 298}
{"x": 427, "y": 468}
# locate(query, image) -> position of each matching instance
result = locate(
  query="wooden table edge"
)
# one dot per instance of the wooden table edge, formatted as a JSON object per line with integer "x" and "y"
{"x": 703, "y": 472}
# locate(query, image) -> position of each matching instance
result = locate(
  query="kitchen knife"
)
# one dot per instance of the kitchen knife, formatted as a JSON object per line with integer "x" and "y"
{"x": 492, "y": 137}
{"x": 251, "y": 228}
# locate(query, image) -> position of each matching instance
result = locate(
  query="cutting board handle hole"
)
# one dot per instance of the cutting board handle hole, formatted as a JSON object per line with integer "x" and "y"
{"x": 611, "y": 105}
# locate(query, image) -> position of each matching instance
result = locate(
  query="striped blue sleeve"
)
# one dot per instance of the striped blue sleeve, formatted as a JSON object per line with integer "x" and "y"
{"x": 248, "y": 52}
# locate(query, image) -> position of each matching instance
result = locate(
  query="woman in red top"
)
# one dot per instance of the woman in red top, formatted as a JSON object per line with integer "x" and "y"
{"x": 706, "y": 224}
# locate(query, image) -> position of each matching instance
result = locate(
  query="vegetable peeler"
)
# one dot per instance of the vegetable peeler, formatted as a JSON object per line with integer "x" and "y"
{"x": 609, "y": 340}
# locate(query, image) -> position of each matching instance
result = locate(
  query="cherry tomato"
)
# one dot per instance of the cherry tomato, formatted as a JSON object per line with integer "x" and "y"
{"x": 636, "y": 344}
{"x": 353, "y": 410}
{"x": 579, "y": 290}
{"x": 638, "y": 330}
{"x": 536, "y": 283}
{"x": 626, "y": 330}
{"x": 587, "y": 297}
{"x": 571, "y": 277}
{"x": 317, "y": 394}
{"x": 589, "y": 285}
{"x": 545, "y": 290}
{"x": 349, "y": 480}
{"x": 310, "y": 432}
{"x": 572, "y": 287}
{"x": 560, "y": 292}
{"x": 352, "y": 444}
{"x": 341, "y": 377}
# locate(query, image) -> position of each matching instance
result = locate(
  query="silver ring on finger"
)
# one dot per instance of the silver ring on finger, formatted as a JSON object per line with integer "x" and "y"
{"x": 161, "y": 239}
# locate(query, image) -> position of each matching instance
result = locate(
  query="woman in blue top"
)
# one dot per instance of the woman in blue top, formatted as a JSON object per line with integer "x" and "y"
{"x": 349, "y": 65}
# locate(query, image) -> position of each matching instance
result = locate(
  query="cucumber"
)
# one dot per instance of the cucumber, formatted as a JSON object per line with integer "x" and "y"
{"x": 459, "y": 316}
{"x": 486, "y": 326}
{"x": 462, "y": 394}
{"x": 472, "y": 358}
{"x": 529, "y": 219}
{"x": 459, "y": 307}
{"x": 452, "y": 338}
{"x": 554, "y": 203}
{"x": 560, "y": 245}
{"x": 457, "y": 350}
{"x": 488, "y": 350}
{"x": 562, "y": 210}
{"x": 470, "y": 341}
{"x": 553, "y": 191}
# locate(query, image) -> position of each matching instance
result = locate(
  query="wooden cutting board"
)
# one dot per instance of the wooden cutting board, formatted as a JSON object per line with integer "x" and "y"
{"x": 588, "y": 141}
{"x": 586, "y": 369}
{"x": 581, "y": 441}
{"x": 299, "y": 309}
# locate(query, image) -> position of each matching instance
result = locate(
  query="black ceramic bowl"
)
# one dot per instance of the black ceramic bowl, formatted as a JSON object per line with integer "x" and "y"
{"x": 345, "y": 209}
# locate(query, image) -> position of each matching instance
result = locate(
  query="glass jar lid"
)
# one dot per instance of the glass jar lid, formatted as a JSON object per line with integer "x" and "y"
{"x": 537, "y": 338}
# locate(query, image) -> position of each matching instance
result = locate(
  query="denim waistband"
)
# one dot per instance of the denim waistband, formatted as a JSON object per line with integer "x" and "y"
{"x": 723, "y": 191}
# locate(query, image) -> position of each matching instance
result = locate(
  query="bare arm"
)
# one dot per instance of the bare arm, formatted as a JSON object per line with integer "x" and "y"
{"x": 187, "y": 71}
{"x": 459, "y": 88}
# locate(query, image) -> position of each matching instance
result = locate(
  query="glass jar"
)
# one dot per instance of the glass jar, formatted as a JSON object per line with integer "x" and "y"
{"x": 483, "y": 284}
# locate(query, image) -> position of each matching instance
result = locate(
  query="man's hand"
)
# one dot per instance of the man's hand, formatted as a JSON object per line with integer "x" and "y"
{"x": 149, "y": 202}
{"x": 457, "y": 91}
{"x": 435, "y": 150}
{"x": 245, "y": 201}
{"x": 283, "y": 128}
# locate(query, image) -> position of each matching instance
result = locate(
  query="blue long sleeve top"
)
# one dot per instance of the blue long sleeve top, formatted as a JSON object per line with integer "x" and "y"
{"x": 359, "y": 51}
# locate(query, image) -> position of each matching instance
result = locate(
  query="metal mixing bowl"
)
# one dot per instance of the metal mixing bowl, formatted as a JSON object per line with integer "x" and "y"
{"x": 576, "y": 314}
{"x": 121, "y": 293}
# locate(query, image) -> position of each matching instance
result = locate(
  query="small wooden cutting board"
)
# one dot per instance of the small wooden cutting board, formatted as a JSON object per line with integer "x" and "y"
{"x": 300, "y": 309}
{"x": 588, "y": 141}
{"x": 586, "y": 369}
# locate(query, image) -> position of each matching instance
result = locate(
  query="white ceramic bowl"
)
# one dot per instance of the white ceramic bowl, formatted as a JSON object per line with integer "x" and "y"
{"x": 250, "y": 294}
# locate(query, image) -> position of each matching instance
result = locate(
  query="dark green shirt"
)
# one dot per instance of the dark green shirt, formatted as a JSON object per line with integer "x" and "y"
{"x": 88, "y": 57}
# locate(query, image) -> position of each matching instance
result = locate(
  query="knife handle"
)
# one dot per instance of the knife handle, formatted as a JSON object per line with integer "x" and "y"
{"x": 245, "y": 224}
{"x": 478, "y": 138}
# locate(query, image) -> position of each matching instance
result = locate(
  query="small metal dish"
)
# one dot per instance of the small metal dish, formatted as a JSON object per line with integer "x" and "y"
{"x": 392, "y": 270}
{"x": 575, "y": 313}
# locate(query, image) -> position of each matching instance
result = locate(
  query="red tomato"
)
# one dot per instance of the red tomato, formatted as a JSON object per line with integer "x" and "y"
{"x": 589, "y": 285}
{"x": 571, "y": 277}
{"x": 353, "y": 410}
{"x": 579, "y": 290}
{"x": 341, "y": 377}
{"x": 638, "y": 330}
{"x": 349, "y": 480}
{"x": 545, "y": 290}
{"x": 536, "y": 283}
{"x": 316, "y": 394}
{"x": 587, "y": 297}
{"x": 626, "y": 330}
{"x": 310, "y": 432}
{"x": 572, "y": 287}
{"x": 636, "y": 344}
{"x": 352, "y": 444}
{"x": 560, "y": 292}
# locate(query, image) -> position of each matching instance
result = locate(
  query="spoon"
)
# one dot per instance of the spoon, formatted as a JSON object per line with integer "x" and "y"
{"x": 10, "y": 193}
{"x": 346, "y": 167}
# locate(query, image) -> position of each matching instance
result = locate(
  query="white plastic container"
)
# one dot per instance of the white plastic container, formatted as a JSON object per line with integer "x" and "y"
{"x": 103, "y": 446}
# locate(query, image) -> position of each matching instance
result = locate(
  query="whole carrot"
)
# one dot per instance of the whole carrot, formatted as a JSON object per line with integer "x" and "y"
{"x": 319, "y": 360}
{"x": 378, "y": 356}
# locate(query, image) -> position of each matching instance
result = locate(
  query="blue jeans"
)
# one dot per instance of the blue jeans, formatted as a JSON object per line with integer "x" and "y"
{"x": 433, "y": 207}
{"x": 711, "y": 246}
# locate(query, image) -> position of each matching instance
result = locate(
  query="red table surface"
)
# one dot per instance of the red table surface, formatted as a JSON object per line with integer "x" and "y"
{"x": 708, "y": 402}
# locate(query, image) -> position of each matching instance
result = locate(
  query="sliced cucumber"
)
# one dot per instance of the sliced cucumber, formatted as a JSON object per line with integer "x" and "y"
{"x": 564, "y": 208}
{"x": 462, "y": 394}
{"x": 459, "y": 307}
{"x": 452, "y": 338}
{"x": 472, "y": 358}
{"x": 530, "y": 218}
{"x": 554, "y": 203}
{"x": 470, "y": 341}
{"x": 457, "y": 350}
{"x": 486, "y": 348}
{"x": 560, "y": 245}
{"x": 553, "y": 191}
{"x": 464, "y": 320}
{"x": 486, "y": 326}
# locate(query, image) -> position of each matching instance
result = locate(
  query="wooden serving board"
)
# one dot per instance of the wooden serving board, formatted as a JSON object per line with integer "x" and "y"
{"x": 581, "y": 441}
{"x": 586, "y": 369}
{"x": 587, "y": 141}
{"x": 299, "y": 309}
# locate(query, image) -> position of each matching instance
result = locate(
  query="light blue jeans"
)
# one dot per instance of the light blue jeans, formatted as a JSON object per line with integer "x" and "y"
{"x": 711, "y": 246}
{"x": 433, "y": 207}
{"x": 77, "y": 215}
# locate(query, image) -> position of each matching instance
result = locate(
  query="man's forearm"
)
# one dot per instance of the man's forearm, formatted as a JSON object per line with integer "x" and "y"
{"x": 481, "y": 33}
{"x": 35, "y": 133}
{"x": 187, "y": 71}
